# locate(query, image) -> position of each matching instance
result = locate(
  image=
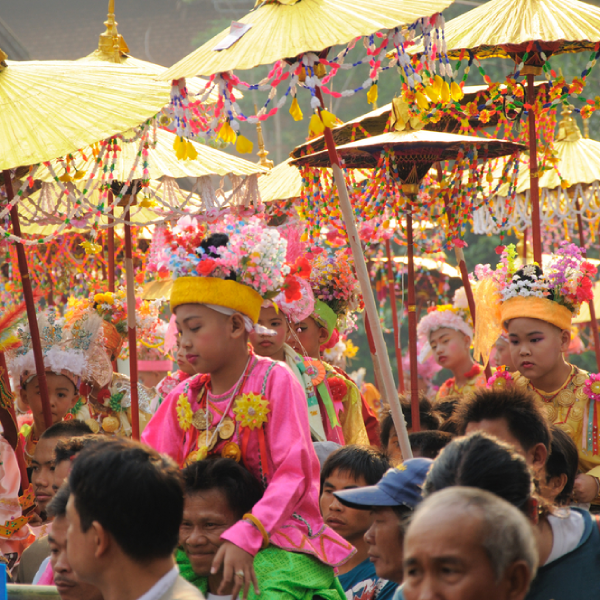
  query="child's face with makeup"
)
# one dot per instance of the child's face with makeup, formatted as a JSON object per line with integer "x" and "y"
{"x": 270, "y": 345}
{"x": 450, "y": 347}
{"x": 536, "y": 347}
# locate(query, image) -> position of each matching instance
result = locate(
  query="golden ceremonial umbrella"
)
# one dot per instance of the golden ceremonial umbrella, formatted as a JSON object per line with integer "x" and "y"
{"x": 49, "y": 109}
{"x": 505, "y": 28}
{"x": 415, "y": 153}
{"x": 285, "y": 29}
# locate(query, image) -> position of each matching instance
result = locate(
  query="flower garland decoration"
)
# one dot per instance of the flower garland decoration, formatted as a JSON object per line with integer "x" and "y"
{"x": 251, "y": 410}
{"x": 184, "y": 412}
{"x": 501, "y": 379}
{"x": 334, "y": 282}
{"x": 247, "y": 252}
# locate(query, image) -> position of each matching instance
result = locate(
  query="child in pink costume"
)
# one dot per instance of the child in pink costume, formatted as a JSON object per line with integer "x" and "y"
{"x": 242, "y": 406}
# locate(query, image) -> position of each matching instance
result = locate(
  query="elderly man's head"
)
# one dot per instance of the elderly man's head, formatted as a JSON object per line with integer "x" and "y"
{"x": 468, "y": 544}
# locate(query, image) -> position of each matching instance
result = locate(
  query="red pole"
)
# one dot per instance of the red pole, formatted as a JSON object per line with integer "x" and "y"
{"x": 525, "y": 246}
{"x": 392, "y": 292}
{"x": 133, "y": 367}
{"x": 111, "y": 245}
{"x": 30, "y": 305}
{"x": 593, "y": 320}
{"x": 534, "y": 177}
{"x": 11, "y": 411}
{"x": 412, "y": 326}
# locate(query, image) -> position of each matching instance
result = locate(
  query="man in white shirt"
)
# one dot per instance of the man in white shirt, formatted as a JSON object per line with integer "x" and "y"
{"x": 124, "y": 512}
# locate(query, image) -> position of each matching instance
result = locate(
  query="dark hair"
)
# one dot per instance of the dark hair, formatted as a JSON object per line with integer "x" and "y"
{"x": 523, "y": 415}
{"x": 67, "y": 448}
{"x": 66, "y": 429}
{"x": 58, "y": 504}
{"x": 239, "y": 486}
{"x": 564, "y": 458}
{"x": 482, "y": 461}
{"x": 447, "y": 406}
{"x": 429, "y": 443}
{"x": 429, "y": 418}
{"x": 134, "y": 493}
{"x": 356, "y": 461}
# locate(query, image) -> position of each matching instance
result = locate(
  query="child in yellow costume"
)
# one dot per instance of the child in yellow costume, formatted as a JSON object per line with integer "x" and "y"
{"x": 536, "y": 307}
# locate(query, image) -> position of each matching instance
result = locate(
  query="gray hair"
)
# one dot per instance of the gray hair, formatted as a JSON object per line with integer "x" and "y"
{"x": 506, "y": 534}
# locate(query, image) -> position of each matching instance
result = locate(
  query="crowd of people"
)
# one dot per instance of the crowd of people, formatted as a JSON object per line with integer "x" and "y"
{"x": 264, "y": 472}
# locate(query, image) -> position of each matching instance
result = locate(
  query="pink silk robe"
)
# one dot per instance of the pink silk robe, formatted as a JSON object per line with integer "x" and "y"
{"x": 289, "y": 509}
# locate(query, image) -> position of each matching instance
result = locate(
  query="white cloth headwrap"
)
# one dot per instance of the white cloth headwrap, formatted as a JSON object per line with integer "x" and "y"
{"x": 250, "y": 326}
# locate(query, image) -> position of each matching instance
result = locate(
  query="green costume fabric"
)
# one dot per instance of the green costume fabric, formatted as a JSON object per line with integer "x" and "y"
{"x": 281, "y": 575}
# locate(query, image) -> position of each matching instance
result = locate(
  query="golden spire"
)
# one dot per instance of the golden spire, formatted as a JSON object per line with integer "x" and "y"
{"x": 262, "y": 153}
{"x": 568, "y": 130}
{"x": 111, "y": 43}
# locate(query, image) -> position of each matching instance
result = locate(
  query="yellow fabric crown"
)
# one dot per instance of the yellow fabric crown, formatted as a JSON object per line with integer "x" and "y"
{"x": 536, "y": 308}
{"x": 222, "y": 292}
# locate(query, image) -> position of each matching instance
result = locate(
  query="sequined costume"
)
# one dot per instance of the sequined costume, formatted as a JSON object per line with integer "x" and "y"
{"x": 112, "y": 411}
{"x": 475, "y": 379}
{"x": 267, "y": 428}
{"x": 568, "y": 407}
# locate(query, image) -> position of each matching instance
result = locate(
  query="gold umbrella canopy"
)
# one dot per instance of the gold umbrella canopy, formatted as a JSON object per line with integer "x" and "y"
{"x": 424, "y": 147}
{"x": 288, "y": 28}
{"x": 504, "y": 28}
{"x": 52, "y": 108}
{"x": 162, "y": 161}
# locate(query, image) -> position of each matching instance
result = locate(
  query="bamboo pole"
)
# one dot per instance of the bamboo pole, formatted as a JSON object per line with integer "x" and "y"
{"x": 389, "y": 387}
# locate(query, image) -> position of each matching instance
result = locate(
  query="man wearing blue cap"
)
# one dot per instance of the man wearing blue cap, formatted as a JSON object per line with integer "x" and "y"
{"x": 391, "y": 502}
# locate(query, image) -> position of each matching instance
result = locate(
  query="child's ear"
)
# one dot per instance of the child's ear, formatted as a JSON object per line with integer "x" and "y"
{"x": 565, "y": 340}
{"x": 323, "y": 335}
{"x": 238, "y": 327}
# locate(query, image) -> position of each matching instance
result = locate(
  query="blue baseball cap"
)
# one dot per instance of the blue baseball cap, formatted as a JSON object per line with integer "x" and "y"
{"x": 400, "y": 486}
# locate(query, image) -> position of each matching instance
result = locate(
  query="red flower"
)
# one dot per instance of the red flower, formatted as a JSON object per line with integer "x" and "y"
{"x": 500, "y": 249}
{"x": 584, "y": 290}
{"x": 337, "y": 388}
{"x": 291, "y": 287}
{"x": 206, "y": 267}
{"x": 302, "y": 268}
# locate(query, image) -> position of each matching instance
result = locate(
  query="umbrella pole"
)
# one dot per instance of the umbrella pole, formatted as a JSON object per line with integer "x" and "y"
{"x": 133, "y": 368}
{"x": 392, "y": 292}
{"x": 111, "y": 246}
{"x": 10, "y": 409}
{"x": 534, "y": 187}
{"x": 462, "y": 267}
{"x": 593, "y": 320}
{"x": 412, "y": 325}
{"x": 389, "y": 387}
{"x": 30, "y": 305}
